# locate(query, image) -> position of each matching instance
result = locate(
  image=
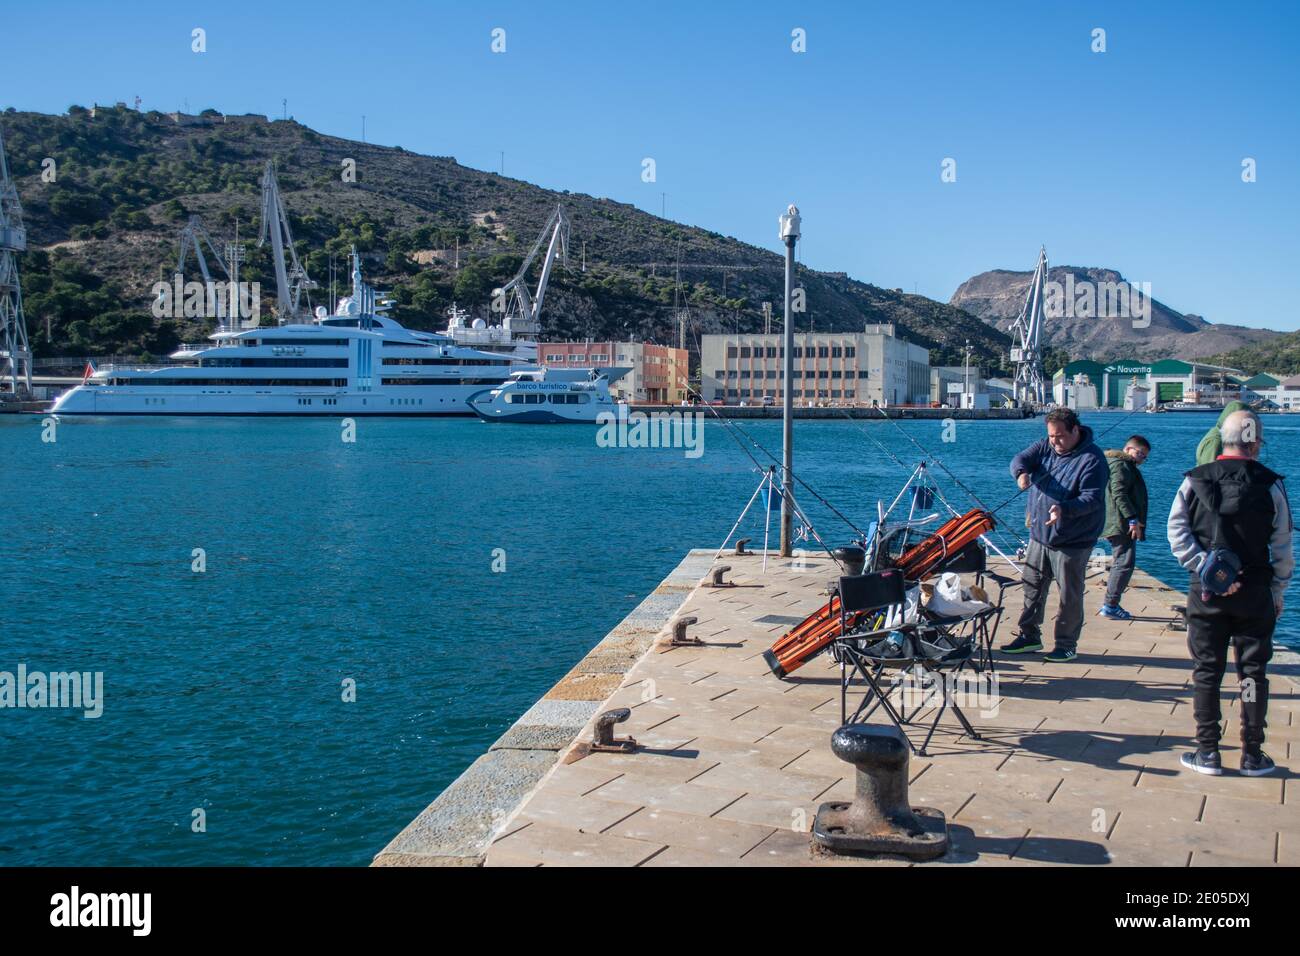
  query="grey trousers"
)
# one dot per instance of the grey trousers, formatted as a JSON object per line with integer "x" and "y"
{"x": 1123, "y": 557}
{"x": 1068, "y": 568}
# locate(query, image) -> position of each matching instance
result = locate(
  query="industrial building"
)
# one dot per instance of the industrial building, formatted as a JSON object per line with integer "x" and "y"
{"x": 1088, "y": 384}
{"x": 872, "y": 367}
{"x": 1272, "y": 391}
{"x": 658, "y": 376}
{"x": 961, "y": 386}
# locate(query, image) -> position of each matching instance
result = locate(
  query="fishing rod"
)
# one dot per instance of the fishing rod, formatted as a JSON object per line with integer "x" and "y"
{"x": 759, "y": 466}
{"x": 753, "y": 441}
{"x": 1034, "y": 483}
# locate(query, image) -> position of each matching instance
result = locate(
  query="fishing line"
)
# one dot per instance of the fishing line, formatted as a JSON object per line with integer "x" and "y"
{"x": 731, "y": 424}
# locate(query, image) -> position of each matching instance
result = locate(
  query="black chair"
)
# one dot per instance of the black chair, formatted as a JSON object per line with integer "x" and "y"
{"x": 930, "y": 643}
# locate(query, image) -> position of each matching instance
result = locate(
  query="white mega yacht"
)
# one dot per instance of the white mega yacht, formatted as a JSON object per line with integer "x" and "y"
{"x": 354, "y": 362}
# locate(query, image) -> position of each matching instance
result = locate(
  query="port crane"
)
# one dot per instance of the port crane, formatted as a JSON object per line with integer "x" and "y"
{"x": 194, "y": 236}
{"x": 291, "y": 279}
{"x": 15, "y": 352}
{"x": 522, "y": 310}
{"x": 1026, "y": 333}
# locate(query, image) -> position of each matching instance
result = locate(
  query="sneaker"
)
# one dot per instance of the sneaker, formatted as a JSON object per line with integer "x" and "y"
{"x": 1204, "y": 761}
{"x": 1061, "y": 657}
{"x": 1115, "y": 613}
{"x": 1022, "y": 645}
{"x": 1256, "y": 764}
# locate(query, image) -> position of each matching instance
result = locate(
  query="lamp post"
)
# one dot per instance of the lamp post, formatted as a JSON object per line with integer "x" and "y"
{"x": 789, "y": 235}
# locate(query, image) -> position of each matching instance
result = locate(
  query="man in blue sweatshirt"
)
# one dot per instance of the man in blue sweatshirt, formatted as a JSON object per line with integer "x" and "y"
{"x": 1066, "y": 474}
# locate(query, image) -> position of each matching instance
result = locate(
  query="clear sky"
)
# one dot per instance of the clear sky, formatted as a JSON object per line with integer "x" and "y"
{"x": 1129, "y": 159}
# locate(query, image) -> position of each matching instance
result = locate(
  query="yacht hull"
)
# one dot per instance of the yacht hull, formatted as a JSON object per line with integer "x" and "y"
{"x": 409, "y": 401}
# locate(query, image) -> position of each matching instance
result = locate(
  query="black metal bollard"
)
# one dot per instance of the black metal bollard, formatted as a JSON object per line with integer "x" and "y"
{"x": 852, "y": 557}
{"x": 679, "y": 638}
{"x": 604, "y": 739}
{"x": 880, "y": 819}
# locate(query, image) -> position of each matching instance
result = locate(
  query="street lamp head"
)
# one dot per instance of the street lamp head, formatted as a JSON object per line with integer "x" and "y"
{"x": 790, "y": 223}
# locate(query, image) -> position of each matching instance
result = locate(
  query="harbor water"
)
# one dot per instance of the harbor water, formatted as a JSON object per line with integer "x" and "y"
{"x": 304, "y": 639}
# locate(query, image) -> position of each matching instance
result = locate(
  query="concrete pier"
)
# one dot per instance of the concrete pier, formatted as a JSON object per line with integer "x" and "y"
{"x": 1078, "y": 764}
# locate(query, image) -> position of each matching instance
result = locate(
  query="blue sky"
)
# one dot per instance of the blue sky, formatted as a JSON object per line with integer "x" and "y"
{"x": 1129, "y": 159}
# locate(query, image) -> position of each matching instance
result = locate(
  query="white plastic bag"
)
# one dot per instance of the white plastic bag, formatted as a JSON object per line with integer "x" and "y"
{"x": 950, "y": 598}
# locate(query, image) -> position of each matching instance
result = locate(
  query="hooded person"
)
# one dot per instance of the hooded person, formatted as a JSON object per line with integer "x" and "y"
{"x": 1211, "y": 446}
{"x": 1126, "y": 520}
{"x": 1066, "y": 475}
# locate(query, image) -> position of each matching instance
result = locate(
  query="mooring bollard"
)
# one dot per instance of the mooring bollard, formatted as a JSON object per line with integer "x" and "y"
{"x": 880, "y": 819}
{"x": 679, "y": 633}
{"x": 740, "y": 546}
{"x": 718, "y": 574}
{"x": 852, "y": 558}
{"x": 604, "y": 740}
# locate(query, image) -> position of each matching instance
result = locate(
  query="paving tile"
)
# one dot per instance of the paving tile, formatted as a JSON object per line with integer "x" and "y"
{"x": 682, "y": 797}
{"x": 590, "y": 814}
{"x": 716, "y": 838}
{"x": 559, "y": 846}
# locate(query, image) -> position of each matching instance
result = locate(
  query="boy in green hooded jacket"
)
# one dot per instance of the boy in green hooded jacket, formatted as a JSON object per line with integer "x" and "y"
{"x": 1126, "y": 520}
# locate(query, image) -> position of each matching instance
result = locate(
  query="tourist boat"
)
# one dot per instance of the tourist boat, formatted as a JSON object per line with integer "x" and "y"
{"x": 354, "y": 362}
{"x": 550, "y": 396}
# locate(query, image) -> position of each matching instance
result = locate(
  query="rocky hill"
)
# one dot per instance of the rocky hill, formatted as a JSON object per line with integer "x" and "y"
{"x": 998, "y": 296}
{"x": 431, "y": 231}
{"x": 1280, "y": 355}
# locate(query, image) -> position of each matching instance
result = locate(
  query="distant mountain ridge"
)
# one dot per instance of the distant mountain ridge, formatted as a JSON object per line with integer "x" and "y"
{"x": 430, "y": 230}
{"x": 997, "y": 297}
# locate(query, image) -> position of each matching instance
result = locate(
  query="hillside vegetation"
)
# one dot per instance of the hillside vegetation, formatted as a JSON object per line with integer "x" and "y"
{"x": 106, "y": 230}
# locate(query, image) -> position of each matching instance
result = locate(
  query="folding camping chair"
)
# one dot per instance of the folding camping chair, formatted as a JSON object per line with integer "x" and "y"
{"x": 874, "y": 599}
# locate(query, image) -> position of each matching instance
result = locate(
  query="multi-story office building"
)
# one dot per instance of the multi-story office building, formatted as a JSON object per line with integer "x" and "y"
{"x": 872, "y": 367}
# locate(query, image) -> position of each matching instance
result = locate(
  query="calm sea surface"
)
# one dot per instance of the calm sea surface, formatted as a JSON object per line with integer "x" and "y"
{"x": 373, "y": 562}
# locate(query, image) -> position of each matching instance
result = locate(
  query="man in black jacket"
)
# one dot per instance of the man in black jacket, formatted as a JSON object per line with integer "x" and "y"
{"x": 1235, "y": 504}
{"x": 1066, "y": 476}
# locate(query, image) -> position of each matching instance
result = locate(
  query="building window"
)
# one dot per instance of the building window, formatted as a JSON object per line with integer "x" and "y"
{"x": 744, "y": 351}
{"x": 823, "y": 351}
{"x": 731, "y": 351}
{"x": 836, "y": 351}
{"x": 850, "y": 351}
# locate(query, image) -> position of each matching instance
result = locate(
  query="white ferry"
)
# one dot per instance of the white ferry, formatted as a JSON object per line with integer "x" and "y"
{"x": 550, "y": 396}
{"x": 354, "y": 362}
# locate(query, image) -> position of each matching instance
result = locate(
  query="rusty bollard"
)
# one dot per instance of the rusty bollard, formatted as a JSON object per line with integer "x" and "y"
{"x": 719, "y": 573}
{"x": 604, "y": 740}
{"x": 679, "y": 638}
{"x": 880, "y": 819}
{"x": 740, "y": 546}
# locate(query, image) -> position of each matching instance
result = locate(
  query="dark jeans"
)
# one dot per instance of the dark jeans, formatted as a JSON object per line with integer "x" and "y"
{"x": 1245, "y": 620}
{"x": 1123, "y": 554}
{"x": 1068, "y": 568}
